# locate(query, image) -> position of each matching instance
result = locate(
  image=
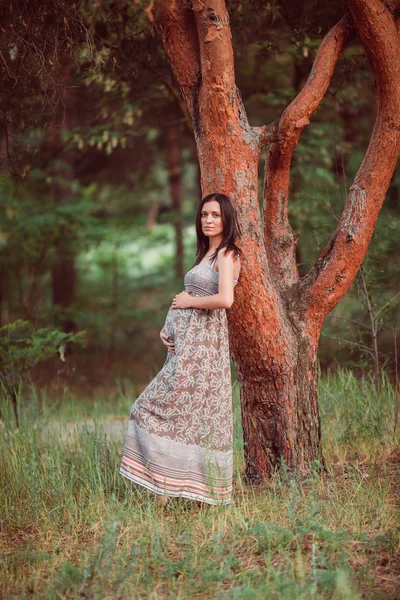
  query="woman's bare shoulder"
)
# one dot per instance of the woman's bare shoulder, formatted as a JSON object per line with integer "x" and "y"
{"x": 228, "y": 254}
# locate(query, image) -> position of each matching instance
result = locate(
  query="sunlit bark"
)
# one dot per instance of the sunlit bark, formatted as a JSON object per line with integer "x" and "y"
{"x": 277, "y": 317}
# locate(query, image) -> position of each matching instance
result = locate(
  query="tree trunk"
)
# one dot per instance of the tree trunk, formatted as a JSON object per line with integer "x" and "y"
{"x": 64, "y": 285}
{"x": 14, "y": 404}
{"x": 280, "y": 415}
{"x": 152, "y": 215}
{"x": 175, "y": 186}
{"x": 276, "y": 319}
{"x": 63, "y": 271}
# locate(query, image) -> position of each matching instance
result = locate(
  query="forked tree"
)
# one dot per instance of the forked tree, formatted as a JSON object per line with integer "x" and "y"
{"x": 275, "y": 323}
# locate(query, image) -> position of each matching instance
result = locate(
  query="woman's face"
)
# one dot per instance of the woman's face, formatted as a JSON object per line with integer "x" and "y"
{"x": 211, "y": 219}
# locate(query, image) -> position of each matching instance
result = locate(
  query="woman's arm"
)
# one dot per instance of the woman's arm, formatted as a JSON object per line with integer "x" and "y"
{"x": 225, "y": 296}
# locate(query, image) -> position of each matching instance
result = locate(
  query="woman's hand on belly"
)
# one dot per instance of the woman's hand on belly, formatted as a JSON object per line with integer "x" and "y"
{"x": 166, "y": 341}
{"x": 182, "y": 300}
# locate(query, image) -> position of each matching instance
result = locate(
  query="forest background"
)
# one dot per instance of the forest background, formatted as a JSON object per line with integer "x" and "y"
{"x": 99, "y": 186}
{"x": 100, "y": 181}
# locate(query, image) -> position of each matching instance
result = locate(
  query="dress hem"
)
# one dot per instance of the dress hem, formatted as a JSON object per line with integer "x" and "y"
{"x": 178, "y": 494}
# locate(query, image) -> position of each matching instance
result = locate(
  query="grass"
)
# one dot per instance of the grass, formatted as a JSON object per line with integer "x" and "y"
{"x": 72, "y": 527}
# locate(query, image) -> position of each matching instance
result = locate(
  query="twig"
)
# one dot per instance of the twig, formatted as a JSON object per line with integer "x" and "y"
{"x": 324, "y": 206}
{"x": 373, "y": 332}
{"x": 333, "y": 337}
{"x": 387, "y": 304}
{"x": 348, "y": 319}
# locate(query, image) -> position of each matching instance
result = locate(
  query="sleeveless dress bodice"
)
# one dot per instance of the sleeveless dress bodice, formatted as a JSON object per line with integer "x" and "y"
{"x": 202, "y": 280}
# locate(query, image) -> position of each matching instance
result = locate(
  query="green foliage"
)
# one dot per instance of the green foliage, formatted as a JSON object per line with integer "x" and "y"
{"x": 22, "y": 346}
{"x": 85, "y": 122}
{"x": 373, "y": 301}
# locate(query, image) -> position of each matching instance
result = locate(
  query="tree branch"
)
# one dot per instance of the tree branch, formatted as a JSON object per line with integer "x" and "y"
{"x": 176, "y": 27}
{"x": 268, "y": 134}
{"x": 280, "y": 240}
{"x": 330, "y": 277}
{"x": 387, "y": 304}
{"x": 218, "y": 94}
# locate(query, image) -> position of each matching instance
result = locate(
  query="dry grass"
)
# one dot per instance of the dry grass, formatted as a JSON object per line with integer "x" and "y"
{"x": 71, "y": 527}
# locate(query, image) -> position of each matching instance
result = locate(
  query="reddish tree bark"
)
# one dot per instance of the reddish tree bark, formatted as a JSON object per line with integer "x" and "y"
{"x": 277, "y": 317}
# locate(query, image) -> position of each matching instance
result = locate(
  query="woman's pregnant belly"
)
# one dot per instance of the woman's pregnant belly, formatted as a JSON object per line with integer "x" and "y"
{"x": 177, "y": 322}
{"x": 169, "y": 324}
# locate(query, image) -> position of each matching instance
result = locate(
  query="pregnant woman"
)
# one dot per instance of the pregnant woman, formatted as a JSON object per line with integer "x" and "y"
{"x": 179, "y": 437}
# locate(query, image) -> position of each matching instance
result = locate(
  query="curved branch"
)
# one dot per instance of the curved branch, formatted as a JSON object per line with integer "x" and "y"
{"x": 176, "y": 27}
{"x": 218, "y": 95}
{"x": 279, "y": 238}
{"x": 330, "y": 277}
{"x": 215, "y": 43}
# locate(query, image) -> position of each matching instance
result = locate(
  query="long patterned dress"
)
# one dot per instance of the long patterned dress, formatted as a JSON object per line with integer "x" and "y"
{"x": 179, "y": 437}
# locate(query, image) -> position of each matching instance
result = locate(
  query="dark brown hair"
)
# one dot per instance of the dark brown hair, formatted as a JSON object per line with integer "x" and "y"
{"x": 230, "y": 233}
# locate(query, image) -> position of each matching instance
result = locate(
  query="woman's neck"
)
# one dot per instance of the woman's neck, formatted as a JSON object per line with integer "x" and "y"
{"x": 213, "y": 245}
